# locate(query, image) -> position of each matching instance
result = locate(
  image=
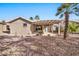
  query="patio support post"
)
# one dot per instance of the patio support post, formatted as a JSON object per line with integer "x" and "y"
{"x": 59, "y": 29}
{"x": 43, "y": 28}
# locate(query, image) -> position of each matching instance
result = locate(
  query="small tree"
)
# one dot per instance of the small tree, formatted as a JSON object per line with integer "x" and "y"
{"x": 3, "y": 22}
{"x": 31, "y": 18}
{"x": 37, "y": 17}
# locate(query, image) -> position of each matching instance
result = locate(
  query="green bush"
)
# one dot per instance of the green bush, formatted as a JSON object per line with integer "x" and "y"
{"x": 73, "y": 27}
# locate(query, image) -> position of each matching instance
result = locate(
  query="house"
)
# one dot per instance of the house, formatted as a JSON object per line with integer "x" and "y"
{"x": 23, "y": 27}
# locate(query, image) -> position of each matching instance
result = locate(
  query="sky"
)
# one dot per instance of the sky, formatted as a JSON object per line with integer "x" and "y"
{"x": 46, "y": 11}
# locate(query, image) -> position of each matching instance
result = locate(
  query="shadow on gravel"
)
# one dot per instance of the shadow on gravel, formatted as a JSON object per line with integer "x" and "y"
{"x": 39, "y": 46}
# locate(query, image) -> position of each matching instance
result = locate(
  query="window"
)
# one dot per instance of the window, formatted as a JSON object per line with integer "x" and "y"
{"x": 55, "y": 28}
{"x": 38, "y": 28}
{"x": 24, "y": 24}
{"x": 7, "y": 27}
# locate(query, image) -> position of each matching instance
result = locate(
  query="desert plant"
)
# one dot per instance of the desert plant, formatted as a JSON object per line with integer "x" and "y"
{"x": 65, "y": 10}
{"x": 73, "y": 27}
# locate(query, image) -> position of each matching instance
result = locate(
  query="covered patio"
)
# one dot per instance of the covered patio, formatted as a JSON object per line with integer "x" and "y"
{"x": 47, "y": 26}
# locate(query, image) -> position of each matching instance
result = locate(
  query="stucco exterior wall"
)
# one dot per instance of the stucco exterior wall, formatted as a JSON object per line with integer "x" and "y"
{"x": 4, "y": 28}
{"x": 17, "y": 28}
{"x": 1, "y": 28}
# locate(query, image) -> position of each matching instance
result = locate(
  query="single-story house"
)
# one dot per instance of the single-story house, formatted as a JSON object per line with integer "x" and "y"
{"x": 24, "y": 27}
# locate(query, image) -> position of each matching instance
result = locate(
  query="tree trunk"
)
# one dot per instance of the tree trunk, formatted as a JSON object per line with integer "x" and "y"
{"x": 66, "y": 24}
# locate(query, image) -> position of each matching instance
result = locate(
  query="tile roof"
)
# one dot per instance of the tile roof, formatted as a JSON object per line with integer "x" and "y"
{"x": 20, "y": 19}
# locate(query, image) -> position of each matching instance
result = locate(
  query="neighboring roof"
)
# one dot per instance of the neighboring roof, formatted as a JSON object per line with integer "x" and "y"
{"x": 46, "y": 22}
{"x": 75, "y": 22}
{"x": 1, "y": 23}
{"x": 19, "y": 18}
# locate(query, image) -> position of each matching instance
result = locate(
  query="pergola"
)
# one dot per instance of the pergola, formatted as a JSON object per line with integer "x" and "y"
{"x": 49, "y": 23}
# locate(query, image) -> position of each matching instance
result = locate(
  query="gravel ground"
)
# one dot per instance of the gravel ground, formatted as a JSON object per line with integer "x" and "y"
{"x": 39, "y": 46}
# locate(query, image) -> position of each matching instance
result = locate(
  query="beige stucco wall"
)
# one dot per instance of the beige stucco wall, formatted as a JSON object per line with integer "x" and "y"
{"x": 4, "y": 27}
{"x": 16, "y": 28}
{"x": 1, "y": 28}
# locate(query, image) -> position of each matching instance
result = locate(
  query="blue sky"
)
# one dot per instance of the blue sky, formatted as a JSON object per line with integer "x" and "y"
{"x": 44, "y": 10}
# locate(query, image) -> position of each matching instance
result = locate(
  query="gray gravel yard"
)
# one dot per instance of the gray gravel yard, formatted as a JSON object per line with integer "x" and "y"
{"x": 39, "y": 46}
